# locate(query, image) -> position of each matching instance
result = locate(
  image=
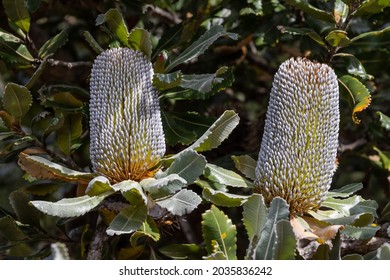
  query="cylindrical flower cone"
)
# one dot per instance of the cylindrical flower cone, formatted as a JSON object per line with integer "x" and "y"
{"x": 297, "y": 158}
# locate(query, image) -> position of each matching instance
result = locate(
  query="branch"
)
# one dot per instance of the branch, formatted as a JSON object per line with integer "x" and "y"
{"x": 70, "y": 65}
{"x": 100, "y": 238}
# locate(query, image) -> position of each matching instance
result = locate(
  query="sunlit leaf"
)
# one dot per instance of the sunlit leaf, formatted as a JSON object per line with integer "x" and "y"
{"x": 223, "y": 176}
{"x": 202, "y": 82}
{"x": 246, "y": 165}
{"x": 345, "y": 191}
{"x": 254, "y": 217}
{"x": 139, "y": 39}
{"x": 53, "y": 44}
{"x": 384, "y": 120}
{"x": 360, "y": 96}
{"x": 306, "y": 7}
{"x": 98, "y": 186}
{"x": 167, "y": 81}
{"x": 17, "y": 14}
{"x": 201, "y": 45}
{"x": 340, "y": 12}
{"x": 183, "y": 202}
{"x": 368, "y": 7}
{"x": 220, "y": 198}
{"x": 338, "y": 38}
{"x": 12, "y": 49}
{"x": 115, "y": 22}
{"x": 303, "y": 31}
{"x": 384, "y": 157}
{"x": 132, "y": 191}
{"x": 165, "y": 186}
{"x": 129, "y": 219}
{"x": 17, "y": 100}
{"x": 69, "y": 207}
{"x": 217, "y": 227}
{"x": 148, "y": 229}
{"x": 92, "y": 42}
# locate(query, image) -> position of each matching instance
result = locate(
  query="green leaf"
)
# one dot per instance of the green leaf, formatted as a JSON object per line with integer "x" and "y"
{"x": 303, "y": 31}
{"x": 254, "y": 216}
{"x": 201, "y": 45}
{"x": 26, "y": 214}
{"x": 129, "y": 219}
{"x": 17, "y": 100}
{"x": 384, "y": 157}
{"x": 189, "y": 165}
{"x": 246, "y": 165}
{"x": 53, "y": 44}
{"x": 167, "y": 81}
{"x": 17, "y": 14}
{"x": 360, "y": 232}
{"x": 383, "y": 252}
{"x": 311, "y": 10}
{"x": 59, "y": 251}
{"x": 345, "y": 191}
{"x": 216, "y": 134}
{"x": 92, "y": 42}
{"x": 367, "y": 35}
{"x": 384, "y": 120}
{"x": 286, "y": 243}
{"x": 369, "y": 7}
{"x": 69, "y": 207}
{"x": 355, "y": 257}
{"x": 354, "y": 66}
{"x": 183, "y": 202}
{"x": 34, "y": 78}
{"x": 223, "y": 176}
{"x": 221, "y": 198}
{"x": 139, "y": 39}
{"x": 360, "y": 96}
{"x": 11, "y": 230}
{"x": 338, "y": 38}
{"x": 335, "y": 252}
{"x": 265, "y": 248}
{"x": 202, "y": 82}
{"x": 218, "y": 228}
{"x": 340, "y": 12}
{"x": 163, "y": 187}
{"x": 342, "y": 205}
{"x": 42, "y": 168}
{"x": 322, "y": 253}
{"x": 148, "y": 229}
{"x": 98, "y": 186}
{"x": 41, "y": 189}
{"x": 182, "y": 251}
{"x": 114, "y": 20}
{"x": 70, "y": 132}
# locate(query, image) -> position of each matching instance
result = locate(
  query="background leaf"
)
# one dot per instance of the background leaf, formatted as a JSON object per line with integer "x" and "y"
{"x": 17, "y": 100}
{"x": 311, "y": 10}
{"x": 384, "y": 120}
{"x": 114, "y": 20}
{"x": 53, "y": 44}
{"x": 217, "y": 227}
{"x": 139, "y": 39}
{"x": 17, "y": 14}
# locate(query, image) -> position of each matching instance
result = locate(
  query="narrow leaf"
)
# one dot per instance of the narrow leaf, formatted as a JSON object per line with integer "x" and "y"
{"x": 218, "y": 228}
{"x": 53, "y": 44}
{"x": 303, "y": 31}
{"x": 34, "y": 78}
{"x": 367, "y": 35}
{"x": 183, "y": 202}
{"x": 201, "y": 45}
{"x": 129, "y": 219}
{"x": 384, "y": 120}
{"x": 114, "y": 20}
{"x": 17, "y": 100}
{"x": 246, "y": 165}
{"x": 139, "y": 39}
{"x": 306, "y": 7}
{"x": 360, "y": 96}
{"x": 223, "y": 176}
{"x": 340, "y": 12}
{"x": 167, "y": 81}
{"x": 384, "y": 157}
{"x": 69, "y": 207}
{"x": 92, "y": 42}
{"x": 17, "y": 14}
{"x": 345, "y": 191}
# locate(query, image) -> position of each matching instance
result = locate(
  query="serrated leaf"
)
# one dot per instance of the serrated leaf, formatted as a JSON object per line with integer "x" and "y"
{"x": 139, "y": 39}
{"x": 383, "y": 252}
{"x": 59, "y": 251}
{"x": 183, "y": 202}
{"x": 254, "y": 215}
{"x": 17, "y": 14}
{"x": 303, "y": 31}
{"x": 53, "y": 44}
{"x": 217, "y": 227}
{"x": 132, "y": 191}
{"x": 11, "y": 230}
{"x": 92, "y": 42}
{"x": 360, "y": 232}
{"x": 311, "y": 10}
{"x": 70, "y": 132}
{"x": 246, "y": 165}
{"x": 360, "y": 96}
{"x": 223, "y": 176}
{"x": 216, "y": 134}
{"x": 42, "y": 168}
{"x": 384, "y": 120}
{"x": 345, "y": 191}
{"x": 201, "y": 45}
{"x": 342, "y": 205}
{"x": 129, "y": 219}
{"x": 163, "y": 187}
{"x": 338, "y": 38}
{"x": 17, "y": 100}
{"x": 265, "y": 248}
{"x": 286, "y": 242}
{"x": 182, "y": 251}
{"x": 69, "y": 207}
{"x": 203, "y": 82}
{"x": 369, "y": 7}
{"x": 98, "y": 186}
{"x": 220, "y": 198}
{"x": 148, "y": 229}
{"x": 188, "y": 164}
{"x": 167, "y": 81}
{"x": 354, "y": 66}
{"x": 114, "y": 20}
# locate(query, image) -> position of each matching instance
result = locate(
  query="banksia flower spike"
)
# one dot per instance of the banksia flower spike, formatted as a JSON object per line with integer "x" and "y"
{"x": 127, "y": 138}
{"x": 297, "y": 158}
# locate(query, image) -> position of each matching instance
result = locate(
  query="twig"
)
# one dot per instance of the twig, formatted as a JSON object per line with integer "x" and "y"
{"x": 70, "y": 65}
{"x": 171, "y": 17}
{"x": 100, "y": 238}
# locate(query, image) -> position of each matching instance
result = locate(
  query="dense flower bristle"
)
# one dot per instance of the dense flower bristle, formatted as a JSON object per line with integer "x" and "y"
{"x": 297, "y": 158}
{"x": 127, "y": 138}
